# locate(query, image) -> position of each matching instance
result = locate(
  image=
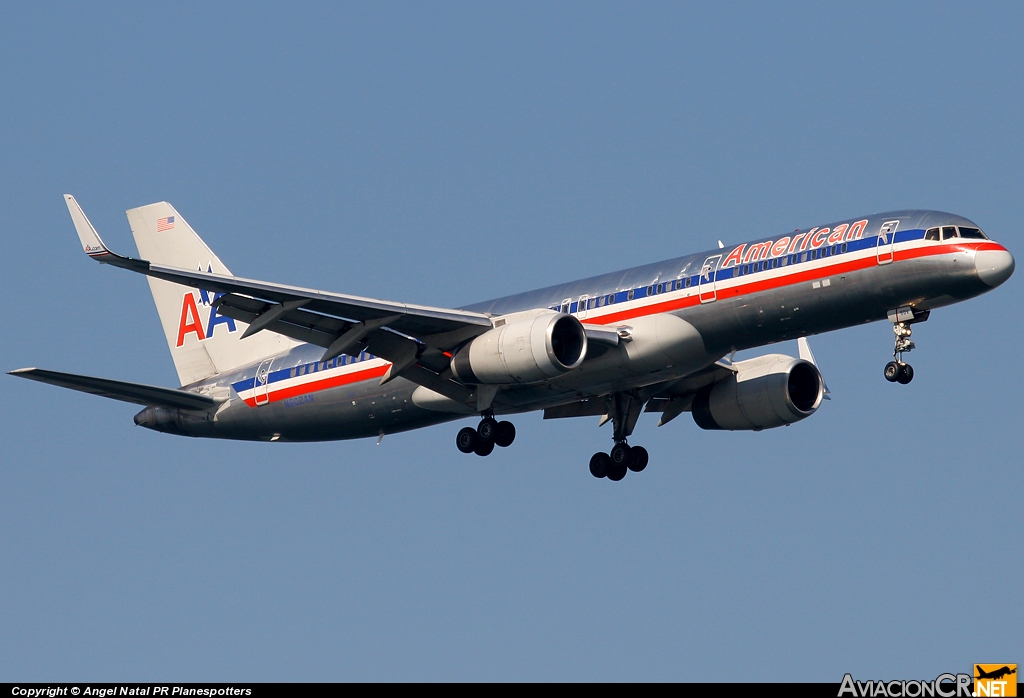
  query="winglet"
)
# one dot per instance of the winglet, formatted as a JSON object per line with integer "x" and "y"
{"x": 806, "y": 354}
{"x": 91, "y": 242}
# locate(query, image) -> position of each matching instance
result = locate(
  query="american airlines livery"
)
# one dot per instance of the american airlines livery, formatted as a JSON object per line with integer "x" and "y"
{"x": 269, "y": 362}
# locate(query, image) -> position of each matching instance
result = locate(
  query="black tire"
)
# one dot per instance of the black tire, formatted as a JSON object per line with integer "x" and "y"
{"x": 466, "y": 440}
{"x": 892, "y": 372}
{"x": 616, "y": 472}
{"x": 906, "y": 374}
{"x": 483, "y": 448}
{"x": 620, "y": 454}
{"x": 505, "y": 434}
{"x": 637, "y": 459}
{"x": 487, "y": 429}
{"x": 599, "y": 464}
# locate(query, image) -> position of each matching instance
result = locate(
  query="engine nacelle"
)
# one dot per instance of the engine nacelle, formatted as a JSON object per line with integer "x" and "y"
{"x": 530, "y": 347}
{"x": 766, "y": 392}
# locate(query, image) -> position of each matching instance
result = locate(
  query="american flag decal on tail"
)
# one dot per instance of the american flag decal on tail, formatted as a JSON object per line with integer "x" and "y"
{"x": 163, "y": 224}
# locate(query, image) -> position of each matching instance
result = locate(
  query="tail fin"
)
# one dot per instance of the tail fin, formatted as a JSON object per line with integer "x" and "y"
{"x": 203, "y": 342}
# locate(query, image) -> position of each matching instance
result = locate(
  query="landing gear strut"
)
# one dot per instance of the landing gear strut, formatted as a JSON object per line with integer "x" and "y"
{"x": 898, "y": 370}
{"x": 624, "y": 410}
{"x": 486, "y": 436}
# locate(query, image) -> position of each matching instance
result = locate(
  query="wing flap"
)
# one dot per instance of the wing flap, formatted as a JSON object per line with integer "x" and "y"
{"x": 140, "y": 394}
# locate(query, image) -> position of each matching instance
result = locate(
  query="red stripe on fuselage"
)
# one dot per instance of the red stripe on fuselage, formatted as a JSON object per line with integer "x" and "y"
{"x": 788, "y": 279}
{"x": 321, "y": 384}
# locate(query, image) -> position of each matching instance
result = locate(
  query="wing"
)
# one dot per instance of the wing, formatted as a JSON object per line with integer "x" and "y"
{"x": 138, "y": 393}
{"x": 677, "y": 397}
{"x": 413, "y": 337}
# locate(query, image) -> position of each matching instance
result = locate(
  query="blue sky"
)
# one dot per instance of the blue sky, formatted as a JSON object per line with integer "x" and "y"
{"x": 449, "y": 153}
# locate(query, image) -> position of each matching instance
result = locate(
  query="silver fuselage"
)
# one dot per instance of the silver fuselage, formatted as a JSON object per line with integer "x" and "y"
{"x": 738, "y": 297}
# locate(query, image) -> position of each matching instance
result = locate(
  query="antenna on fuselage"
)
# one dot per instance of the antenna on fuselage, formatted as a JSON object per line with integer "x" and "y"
{"x": 720, "y": 245}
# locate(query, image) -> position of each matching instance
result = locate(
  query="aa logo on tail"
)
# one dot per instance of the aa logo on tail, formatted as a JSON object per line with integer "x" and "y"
{"x": 191, "y": 322}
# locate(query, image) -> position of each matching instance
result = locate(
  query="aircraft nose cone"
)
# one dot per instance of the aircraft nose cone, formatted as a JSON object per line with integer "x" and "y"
{"x": 994, "y": 266}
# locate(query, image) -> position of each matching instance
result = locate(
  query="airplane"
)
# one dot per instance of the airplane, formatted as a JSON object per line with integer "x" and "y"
{"x": 996, "y": 674}
{"x": 266, "y": 361}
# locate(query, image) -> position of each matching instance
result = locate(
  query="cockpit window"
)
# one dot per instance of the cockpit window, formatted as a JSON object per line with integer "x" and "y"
{"x": 972, "y": 233}
{"x": 932, "y": 234}
{"x": 948, "y": 232}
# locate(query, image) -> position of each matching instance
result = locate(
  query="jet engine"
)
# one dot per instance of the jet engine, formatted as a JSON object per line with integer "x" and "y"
{"x": 765, "y": 392}
{"x": 529, "y": 347}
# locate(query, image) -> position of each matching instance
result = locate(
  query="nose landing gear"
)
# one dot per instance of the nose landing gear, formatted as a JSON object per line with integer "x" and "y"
{"x": 898, "y": 370}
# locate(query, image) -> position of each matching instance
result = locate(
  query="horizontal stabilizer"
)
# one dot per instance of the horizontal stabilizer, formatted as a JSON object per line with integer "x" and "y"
{"x": 149, "y": 395}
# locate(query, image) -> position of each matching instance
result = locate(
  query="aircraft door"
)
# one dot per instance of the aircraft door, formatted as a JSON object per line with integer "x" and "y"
{"x": 706, "y": 290}
{"x": 262, "y": 394}
{"x": 886, "y": 238}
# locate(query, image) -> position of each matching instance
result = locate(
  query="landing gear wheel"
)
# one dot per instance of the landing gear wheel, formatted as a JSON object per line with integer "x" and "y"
{"x": 505, "y": 434}
{"x": 620, "y": 454}
{"x": 487, "y": 428}
{"x": 616, "y": 472}
{"x": 906, "y": 374}
{"x": 638, "y": 458}
{"x": 599, "y": 464}
{"x": 467, "y": 440}
{"x": 892, "y": 372}
{"x": 483, "y": 448}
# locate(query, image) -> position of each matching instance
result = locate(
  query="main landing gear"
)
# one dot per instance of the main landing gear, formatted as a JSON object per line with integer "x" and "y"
{"x": 614, "y": 464}
{"x": 624, "y": 410}
{"x": 488, "y": 434}
{"x": 898, "y": 370}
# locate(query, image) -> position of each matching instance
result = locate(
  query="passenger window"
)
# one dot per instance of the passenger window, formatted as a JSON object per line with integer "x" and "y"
{"x": 948, "y": 232}
{"x": 972, "y": 233}
{"x": 843, "y": 248}
{"x": 687, "y": 282}
{"x": 629, "y": 295}
{"x": 932, "y": 234}
{"x": 783, "y": 261}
